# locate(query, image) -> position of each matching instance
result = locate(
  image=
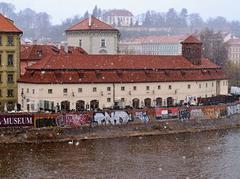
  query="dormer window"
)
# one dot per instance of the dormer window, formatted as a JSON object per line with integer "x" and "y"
{"x": 103, "y": 43}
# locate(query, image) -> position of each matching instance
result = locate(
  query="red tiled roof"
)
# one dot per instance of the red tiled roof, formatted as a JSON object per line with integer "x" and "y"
{"x": 96, "y": 24}
{"x": 115, "y": 62}
{"x": 38, "y": 52}
{"x": 118, "y": 12}
{"x": 7, "y": 25}
{"x": 233, "y": 41}
{"x": 192, "y": 40}
{"x": 76, "y": 77}
{"x": 159, "y": 39}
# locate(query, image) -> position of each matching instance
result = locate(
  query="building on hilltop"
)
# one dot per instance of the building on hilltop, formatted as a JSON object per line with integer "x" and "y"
{"x": 153, "y": 45}
{"x": 69, "y": 81}
{"x": 9, "y": 63}
{"x": 118, "y": 17}
{"x": 94, "y": 36}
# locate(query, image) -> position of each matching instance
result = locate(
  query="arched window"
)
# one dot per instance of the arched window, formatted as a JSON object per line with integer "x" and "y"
{"x": 135, "y": 103}
{"x": 147, "y": 102}
{"x": 159, "y": 102}
{"x": 80, "y": 105}
{"x": 94, "y": 104}
{"x": 65, "y": 106}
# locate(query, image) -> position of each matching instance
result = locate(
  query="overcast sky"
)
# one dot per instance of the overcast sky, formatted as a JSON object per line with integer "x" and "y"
{"x": 62, "y": 9}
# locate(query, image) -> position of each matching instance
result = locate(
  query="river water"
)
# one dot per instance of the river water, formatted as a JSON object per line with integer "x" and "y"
{"x": 201, "y": 155}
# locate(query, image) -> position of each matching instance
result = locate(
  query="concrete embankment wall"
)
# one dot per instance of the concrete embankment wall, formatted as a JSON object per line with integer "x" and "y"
{"x": 18, "y": 128}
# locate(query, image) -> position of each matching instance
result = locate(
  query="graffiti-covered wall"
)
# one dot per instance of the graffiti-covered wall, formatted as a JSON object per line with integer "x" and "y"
{"x": 118, "y": 117}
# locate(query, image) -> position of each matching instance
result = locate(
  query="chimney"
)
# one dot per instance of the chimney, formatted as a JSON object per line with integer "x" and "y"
{"x": 34, "y": 42}
{"x": 90, "y": 20}
{"x": 192, "y": 50}
{"x": 59, "y": 46}
{"x": 65, "y": 47}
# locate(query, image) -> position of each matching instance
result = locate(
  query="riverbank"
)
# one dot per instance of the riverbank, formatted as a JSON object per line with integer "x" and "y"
{"x": 135, "y": 129}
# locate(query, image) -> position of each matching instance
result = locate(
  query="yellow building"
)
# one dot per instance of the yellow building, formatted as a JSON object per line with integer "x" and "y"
{"x": 9, "y": 63}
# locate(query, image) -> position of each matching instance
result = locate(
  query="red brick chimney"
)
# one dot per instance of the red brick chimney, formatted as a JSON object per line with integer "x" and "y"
{"x": 192, "y": 50}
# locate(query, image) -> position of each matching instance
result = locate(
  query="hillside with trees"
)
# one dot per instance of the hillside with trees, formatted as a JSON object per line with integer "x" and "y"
{"x": 38, "y": 25}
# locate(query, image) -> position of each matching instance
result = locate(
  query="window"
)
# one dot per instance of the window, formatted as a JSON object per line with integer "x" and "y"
{"x": 159, "y": 87}
{"x": 80, "y": 43}
{"x": 206, "y": 85}
{"x": 200, "y": 86}
{"x": 108, "y": 88}
{"x": 94, "y": 89}
{"x": 147, "y": 87}
{"x": 0, "y": 40}
{"x": 0, "y": 78}
{"x": 10, "y": 40}
{"x": 134, "y": 88}
{"x": 65, "y": 90}
{"x": 50, "y": 91}
{"x": 10, "y": 78}
{"x": 10, "y": 59}
{"x": 33, "y": 91}
{"x": 80, "y": 90}
{"x": 0, "y": 59}
{"x": 122, "y": 100}
{"x": 122, "y": 88}
{"x": 189, "y": 86}
{"x": 212, "y": 84}
{"x": 170, "y": 87}
{"x": 10, "y": 93}
{"x": 0, "y": 93}
{"x": 108, "y": 100}
{"x": 103, "y": 43}
{"x": 27, "y": 90}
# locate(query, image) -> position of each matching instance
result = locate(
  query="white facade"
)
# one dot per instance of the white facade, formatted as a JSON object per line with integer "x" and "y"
{"x": 234, "y": 52}
{"x": 95, "y": 42}
{"x": 124, "y": 21}
{"x": 32, "y": 95}
{"x": 150, "y": 48}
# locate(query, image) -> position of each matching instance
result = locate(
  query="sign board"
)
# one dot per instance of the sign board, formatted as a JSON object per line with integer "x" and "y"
{"x": 16, "y": 120}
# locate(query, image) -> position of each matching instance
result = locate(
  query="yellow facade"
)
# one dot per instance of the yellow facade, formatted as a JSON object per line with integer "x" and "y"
{"x": 9, "y": 69}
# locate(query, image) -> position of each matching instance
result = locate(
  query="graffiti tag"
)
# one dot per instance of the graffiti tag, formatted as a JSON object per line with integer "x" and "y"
{"x": 116, "y": 117}
{"x": 73, "y": 120}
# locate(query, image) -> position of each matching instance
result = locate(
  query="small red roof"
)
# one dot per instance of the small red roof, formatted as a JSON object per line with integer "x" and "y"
{"x": 118, "y": 12}
{"x": 7, "y": 25}
{"x": 192, "y": 40}
{"x": 38, "y": 52}
{"x": 96, "y": 24}
{"x": 233, "y": 41}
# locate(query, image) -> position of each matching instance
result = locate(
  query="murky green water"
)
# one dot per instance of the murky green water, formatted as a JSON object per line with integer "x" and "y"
{"x": 202, "y": 155}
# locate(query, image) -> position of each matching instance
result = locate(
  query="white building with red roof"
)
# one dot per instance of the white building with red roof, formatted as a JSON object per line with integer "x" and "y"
{"x": 94, "y": 36}
{"x": 118, "y": 17}
{"x": 70, "y": 81}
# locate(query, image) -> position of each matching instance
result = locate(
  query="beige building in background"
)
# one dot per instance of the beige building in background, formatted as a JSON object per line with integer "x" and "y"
{"x": 94, "y": 36}
{"x": 9, "y": 63}
{"x": 233, "y": 47}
